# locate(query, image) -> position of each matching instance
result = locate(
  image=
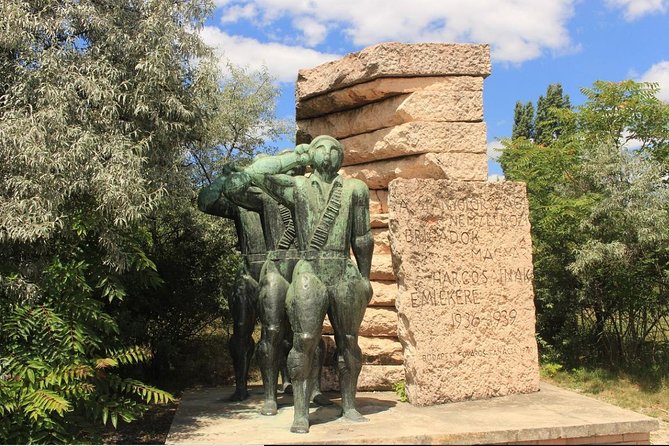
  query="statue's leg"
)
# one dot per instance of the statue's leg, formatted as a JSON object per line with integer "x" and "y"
{"x": 306, "y": 302}
{"x": 316, "y": 368}
{"x": 286, "y": 345}
{"x": 242, "y": 308}
{"x": 273, "y": 289}
{"x": 347, "y": 310}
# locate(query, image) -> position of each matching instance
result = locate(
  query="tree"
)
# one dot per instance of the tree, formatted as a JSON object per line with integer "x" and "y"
{"x": 98, "y": 103}
{"x": 598, "y": 206}
{"x": 194, "y": 252}
{"x": 243, "y": 121}
{"x": 548, "y": 126}
{"x": 623, "y": 264}
{"x": 523, "y": 121}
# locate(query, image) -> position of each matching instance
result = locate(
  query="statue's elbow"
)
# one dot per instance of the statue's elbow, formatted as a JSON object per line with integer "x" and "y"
{"x": 203, "y": 201}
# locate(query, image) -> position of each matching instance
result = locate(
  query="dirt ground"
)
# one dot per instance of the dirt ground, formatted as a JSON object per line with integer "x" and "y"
{"x": 151, "y": 429}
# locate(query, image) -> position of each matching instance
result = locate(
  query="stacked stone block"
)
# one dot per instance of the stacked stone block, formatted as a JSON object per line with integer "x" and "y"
{"x": 401, "y": 111}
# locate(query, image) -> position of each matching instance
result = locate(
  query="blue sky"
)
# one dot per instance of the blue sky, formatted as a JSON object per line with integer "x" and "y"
{"x": 533, "y": 42}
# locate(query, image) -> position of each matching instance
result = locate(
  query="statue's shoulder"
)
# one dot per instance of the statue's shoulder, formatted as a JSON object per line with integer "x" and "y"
{"x": 356, "y": 186}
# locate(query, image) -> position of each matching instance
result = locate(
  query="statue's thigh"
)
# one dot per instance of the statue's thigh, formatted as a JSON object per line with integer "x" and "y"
{"x": 273, "y": 289}
{"x": 307, "y": 300}
{"x": 243, "y": 301}
{"x": 349, "y": 301}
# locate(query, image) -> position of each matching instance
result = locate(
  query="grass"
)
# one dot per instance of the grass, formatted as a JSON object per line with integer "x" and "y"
{"x": 643, "y": 393}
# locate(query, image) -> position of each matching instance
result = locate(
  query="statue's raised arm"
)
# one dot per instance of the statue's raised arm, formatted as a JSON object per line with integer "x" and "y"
{"x": 270, "y": 173}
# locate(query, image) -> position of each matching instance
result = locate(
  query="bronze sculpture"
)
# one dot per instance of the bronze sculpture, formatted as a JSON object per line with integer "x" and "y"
{"x": 332, "y": 218}
{"x": 275, "y": 276}
{"x": 242, "y": 301}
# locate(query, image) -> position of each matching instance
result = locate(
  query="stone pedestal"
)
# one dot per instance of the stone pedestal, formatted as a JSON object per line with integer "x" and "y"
{"x": 462, "y": 255}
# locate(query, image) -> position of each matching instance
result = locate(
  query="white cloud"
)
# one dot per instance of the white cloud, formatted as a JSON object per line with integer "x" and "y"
{"x": 634, "y": 9}
{"x": 494, "y": 150}
{"x": 283, "y": 61}
{"x": 496, "y": 178}
{"x": 314, "y": 31}
{"x": 238, "y": 12}
{"x": 518, "y": 30}
{"x": 659, "y": 73}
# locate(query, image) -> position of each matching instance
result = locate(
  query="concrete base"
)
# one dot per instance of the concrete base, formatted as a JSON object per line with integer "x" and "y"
{"x": 551, "y": 416}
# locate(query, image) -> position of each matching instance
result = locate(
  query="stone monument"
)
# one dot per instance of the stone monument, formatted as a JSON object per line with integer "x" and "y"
{"x": 405, "y": 111}
{"x": 463, "y": 257}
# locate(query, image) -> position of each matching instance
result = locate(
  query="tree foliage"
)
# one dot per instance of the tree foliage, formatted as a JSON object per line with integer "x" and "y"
{"x": 523, "y": 121}
{"x": 99, "y": 102}
{"x": 599, "y": 206}
{"x": 548, "y": 124}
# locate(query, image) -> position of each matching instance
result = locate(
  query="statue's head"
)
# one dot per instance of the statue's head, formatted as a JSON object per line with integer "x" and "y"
{"x": 326, "y": 154}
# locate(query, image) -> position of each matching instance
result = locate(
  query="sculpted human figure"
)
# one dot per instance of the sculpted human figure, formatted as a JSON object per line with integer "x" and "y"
{"x": 275, "y": 276}
{"x": 242, "y": 301}
{"x": 332, "y": 218}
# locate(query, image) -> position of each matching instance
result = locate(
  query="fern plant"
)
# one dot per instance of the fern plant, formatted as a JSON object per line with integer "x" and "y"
{"x": 59, "y": 369}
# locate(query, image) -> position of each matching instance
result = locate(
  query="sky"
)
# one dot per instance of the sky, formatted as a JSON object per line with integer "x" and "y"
{"x": 533, "y": 43}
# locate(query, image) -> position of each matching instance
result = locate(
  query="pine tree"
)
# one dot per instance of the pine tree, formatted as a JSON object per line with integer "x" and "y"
{"x": 548, "y": 125}
{"x": 523, "y": 121}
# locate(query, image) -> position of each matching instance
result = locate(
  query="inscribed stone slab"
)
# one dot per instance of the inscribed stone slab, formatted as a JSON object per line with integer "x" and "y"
{"x": 462, "y": 254}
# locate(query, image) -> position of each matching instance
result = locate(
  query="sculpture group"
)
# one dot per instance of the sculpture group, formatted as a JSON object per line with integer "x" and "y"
{"x": 296, "y": 233}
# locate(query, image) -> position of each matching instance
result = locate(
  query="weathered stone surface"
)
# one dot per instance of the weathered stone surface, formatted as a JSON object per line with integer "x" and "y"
{"x": 378, "y": 220}
{"x": 382, "y": 267}
{"x": 414, "y": 138}
{"x": 452, "y": 166}
{"x": 381, "y": 241}
{"x": 384, "y": 295}
{"x": 436, "y": 103}
{"x": 372, "y": 377}
{"x": 552, "y": 416}
{"x": 378, "y": 201}
{"x": 465, "y": 304}
{"x": 394, "y": 60}
{"x": 376, "y": 90}
{"x": 378, "y": 208}
{"x": 378, "y": 321}
{"x": 377, "y": 350}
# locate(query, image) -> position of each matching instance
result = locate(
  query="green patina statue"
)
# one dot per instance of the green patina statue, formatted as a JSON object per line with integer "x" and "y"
{"x": 331, "y": 219}
{"x": 275, "y": 276}
{"x": 242, "y": 301}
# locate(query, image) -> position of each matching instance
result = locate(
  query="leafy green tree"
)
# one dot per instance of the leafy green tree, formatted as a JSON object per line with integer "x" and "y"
{"x": 194, "y": 252}
{"x": 623, "y": 265}
{"x": 98, "y": 103}
{"x": 523, "y": 121}
{"x": 548, "y": 126}
{"x": 598, "y": 207}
